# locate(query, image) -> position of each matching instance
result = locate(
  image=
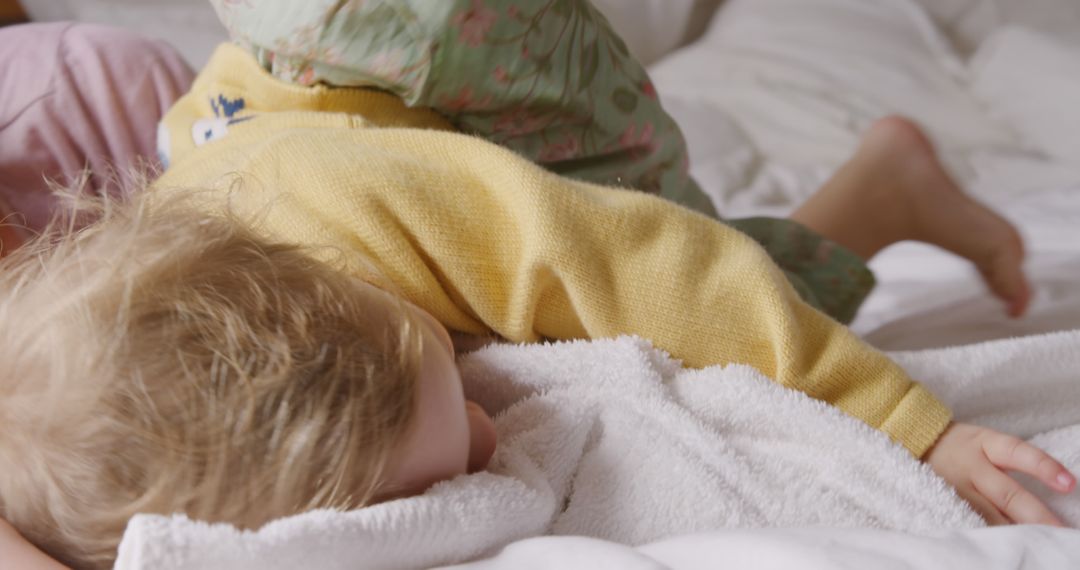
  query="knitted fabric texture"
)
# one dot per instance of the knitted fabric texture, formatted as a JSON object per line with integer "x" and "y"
{"x": 489, "y": 242}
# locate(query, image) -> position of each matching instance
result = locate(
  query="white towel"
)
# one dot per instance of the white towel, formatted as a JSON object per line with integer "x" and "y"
{"x": 612, "y": 439}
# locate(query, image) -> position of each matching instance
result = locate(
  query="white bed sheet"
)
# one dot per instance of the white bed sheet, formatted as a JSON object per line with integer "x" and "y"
{"x": 1027, "y": 548}
{"x": 772, "y": 100}
{"x": 776, "y": 95}
{"x": 969, "y": 22}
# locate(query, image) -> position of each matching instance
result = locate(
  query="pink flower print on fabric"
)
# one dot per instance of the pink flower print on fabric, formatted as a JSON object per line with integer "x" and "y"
{"x": 548, "y": 79}
{"x": 648, "y": 90}
{"x": 389, "y": 65}
{"x": 640, "y": 145}
{"x": 465, "y": 99}
{"x": 307, "y": 77}
{"x": 568, "y": 149}
{"x": 516, "y": 122}
{"x": 299, "y": 72}
{"x": 474, "y": 23}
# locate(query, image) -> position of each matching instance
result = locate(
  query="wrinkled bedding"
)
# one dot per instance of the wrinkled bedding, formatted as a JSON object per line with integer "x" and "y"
{"x": 773, "y": 99}
{"x": 612, "y": 440}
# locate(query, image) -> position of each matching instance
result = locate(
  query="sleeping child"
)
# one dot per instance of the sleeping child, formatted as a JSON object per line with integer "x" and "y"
{"x": 264, "y": 331}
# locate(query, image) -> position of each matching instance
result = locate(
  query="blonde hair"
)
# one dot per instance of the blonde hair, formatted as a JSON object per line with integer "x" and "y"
{"x": 162, "y": 360}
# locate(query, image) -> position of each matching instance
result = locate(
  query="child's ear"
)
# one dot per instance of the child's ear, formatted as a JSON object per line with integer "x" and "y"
{"x": 17, "y": 552}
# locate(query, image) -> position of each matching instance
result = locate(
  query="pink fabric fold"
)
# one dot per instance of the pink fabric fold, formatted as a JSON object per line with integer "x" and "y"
{"x": 74, "y": 97}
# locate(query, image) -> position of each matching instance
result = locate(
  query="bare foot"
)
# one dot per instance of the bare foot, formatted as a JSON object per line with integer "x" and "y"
{"x": 895, "y": 189}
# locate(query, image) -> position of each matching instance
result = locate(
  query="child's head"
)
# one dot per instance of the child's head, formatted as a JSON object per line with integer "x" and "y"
{"x": 162, "y": 360}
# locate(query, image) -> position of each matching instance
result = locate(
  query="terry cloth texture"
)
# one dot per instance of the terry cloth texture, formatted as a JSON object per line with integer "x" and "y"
{"x": 612, "y": 440}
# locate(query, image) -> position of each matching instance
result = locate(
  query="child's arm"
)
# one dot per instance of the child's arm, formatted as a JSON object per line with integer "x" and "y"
{"x": 533, "y": 255}
{"x": 976, "y": 461}
{"x": 486, "y": 240}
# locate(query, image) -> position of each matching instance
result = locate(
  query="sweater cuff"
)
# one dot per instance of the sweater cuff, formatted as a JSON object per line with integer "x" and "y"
{"x": 918, "y": 421}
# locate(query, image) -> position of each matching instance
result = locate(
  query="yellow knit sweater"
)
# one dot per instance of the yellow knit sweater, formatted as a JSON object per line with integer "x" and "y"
{"x": 487, "y": 241}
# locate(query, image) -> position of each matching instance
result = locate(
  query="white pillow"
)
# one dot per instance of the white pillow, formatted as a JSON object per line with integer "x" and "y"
{"x": 191, "y": 26}
{"x": 804, "y": 78}
{"x": 1032, "y": 80}
{"x": 970, "y": 22}
{"x": 653, "y": 28}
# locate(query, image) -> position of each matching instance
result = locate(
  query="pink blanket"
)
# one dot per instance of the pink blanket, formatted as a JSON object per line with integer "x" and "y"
{"x": 74, "y": 97}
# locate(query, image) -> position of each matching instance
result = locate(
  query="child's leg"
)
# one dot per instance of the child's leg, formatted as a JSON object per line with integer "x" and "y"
{"x": 549, "y": 80}
{"x": 83, "y": 97}
{"x": 895, "y": 189}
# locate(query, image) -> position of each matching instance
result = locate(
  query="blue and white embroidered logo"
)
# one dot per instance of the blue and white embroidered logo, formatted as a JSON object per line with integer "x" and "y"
{"x": 206, "y": 130}
{"x": 225, "y": 110}
{"x": 164, "y": 145}
{"x": 225, "y": 107}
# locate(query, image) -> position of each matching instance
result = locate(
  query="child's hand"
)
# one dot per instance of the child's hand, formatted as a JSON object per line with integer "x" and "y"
{"x": 974, "y": 460}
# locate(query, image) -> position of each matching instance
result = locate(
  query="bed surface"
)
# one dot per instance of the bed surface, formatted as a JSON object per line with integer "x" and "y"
{"x": 775, "y": 96}
{"x": 772, "y": 99}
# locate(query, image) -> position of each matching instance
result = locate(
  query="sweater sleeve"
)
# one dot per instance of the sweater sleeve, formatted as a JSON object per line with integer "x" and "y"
{"x": 569, "y": 260}
{"x": 486, "y": 240}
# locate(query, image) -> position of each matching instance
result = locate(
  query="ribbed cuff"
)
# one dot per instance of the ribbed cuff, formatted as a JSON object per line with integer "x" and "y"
{"x": 918, "y": 421}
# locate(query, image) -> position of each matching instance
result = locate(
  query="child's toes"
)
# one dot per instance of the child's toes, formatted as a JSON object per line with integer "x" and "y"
{"x": 1004, "y": 274}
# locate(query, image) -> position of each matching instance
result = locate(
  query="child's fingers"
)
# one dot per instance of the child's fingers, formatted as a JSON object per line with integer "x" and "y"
{"x": 1012, "y": 499}
{"x": 1014, "y": 454}
{"x": 984, "y": 507}
{"x": 1019, "y": 303}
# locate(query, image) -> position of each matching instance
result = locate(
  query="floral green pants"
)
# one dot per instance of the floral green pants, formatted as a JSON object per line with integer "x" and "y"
{"x": 548, "y": 79}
